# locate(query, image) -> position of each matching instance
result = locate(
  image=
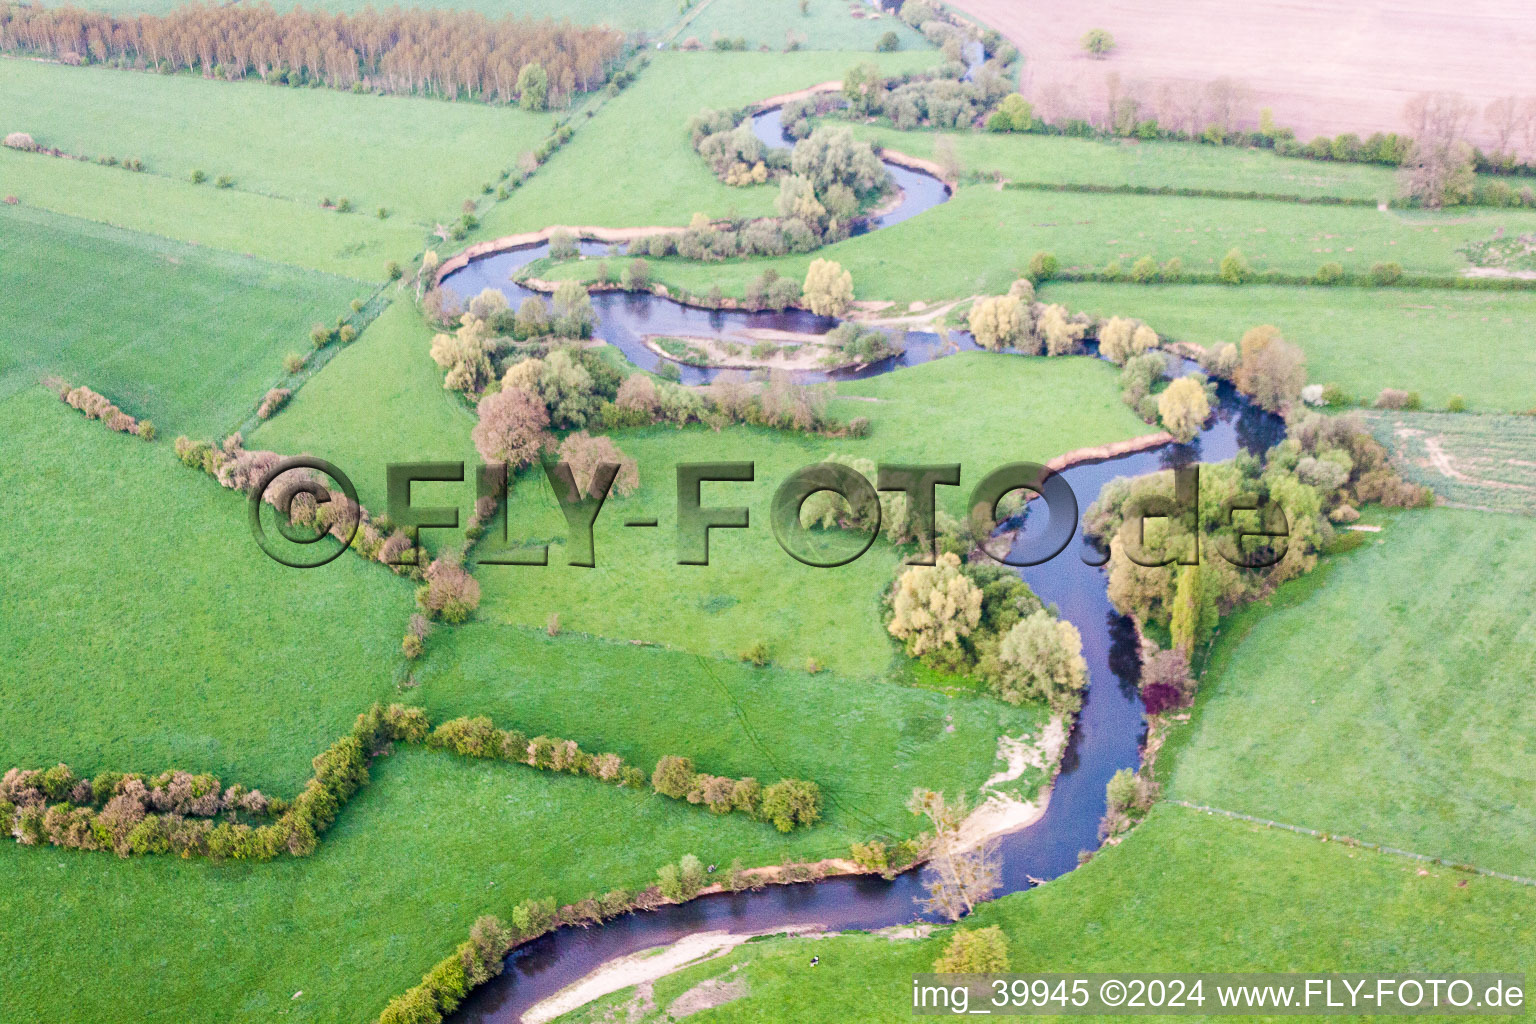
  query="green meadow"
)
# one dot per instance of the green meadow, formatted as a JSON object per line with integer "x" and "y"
{"x": 281, "y": 230}
{"x": 1015, "y": 408}
{"x": 299, "y": 144}
{"x": 187, "y": 336}
{"x": 145, "y": 630}
{"x": 381, "y": 400}
{"x": 823, "y": 25}
{"x": 632, "y": 165}
{"x": 1185, "y": 892}
{"x": 1436, "y": 342}
{"x": 1407, "y": 726}
{"x": 1059, "y": 159}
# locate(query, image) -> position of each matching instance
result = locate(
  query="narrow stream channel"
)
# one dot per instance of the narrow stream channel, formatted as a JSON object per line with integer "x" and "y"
{"x": 1108, "y": 733}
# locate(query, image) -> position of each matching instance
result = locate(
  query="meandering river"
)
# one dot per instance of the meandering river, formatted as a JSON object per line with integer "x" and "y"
{"x": 1106, "y": 738}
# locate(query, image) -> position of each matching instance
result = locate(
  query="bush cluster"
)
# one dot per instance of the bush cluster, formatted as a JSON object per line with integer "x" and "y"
{"x": 476, "y": 961}
{"x": 788, "y": 803}
{"x": 98, "y": 407}
{"x": 479, "y": 737}
{"x": 779, "y": 402}
{"x": 272, "y": 402}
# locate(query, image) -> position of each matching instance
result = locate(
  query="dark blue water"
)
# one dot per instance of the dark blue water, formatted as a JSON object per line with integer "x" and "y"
{"x": 1107, "y": 736}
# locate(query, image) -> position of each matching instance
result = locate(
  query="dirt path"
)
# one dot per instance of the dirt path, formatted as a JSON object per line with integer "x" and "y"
{"x": 1322, "y": 66}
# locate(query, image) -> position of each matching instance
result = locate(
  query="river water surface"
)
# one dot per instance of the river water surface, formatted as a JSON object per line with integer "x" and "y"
{"x": 1106, "y": 738}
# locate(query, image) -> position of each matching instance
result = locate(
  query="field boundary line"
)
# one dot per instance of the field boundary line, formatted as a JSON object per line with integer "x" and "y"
{"x": 1352, "y": 842}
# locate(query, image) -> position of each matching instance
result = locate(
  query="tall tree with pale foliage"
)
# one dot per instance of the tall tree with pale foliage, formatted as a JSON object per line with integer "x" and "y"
{"x": 962, "y": 876}
{"x": 1270, "y": 369}
{"x": 998, "y": 321}
{"x": 1439, "y": 167}
{"x": 1184, "y": 408}
{"x": 828, "y": 288}
{"x": 934, "y": 606}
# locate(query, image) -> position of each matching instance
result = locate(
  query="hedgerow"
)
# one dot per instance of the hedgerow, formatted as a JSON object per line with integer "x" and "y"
{"x": 194, "y": 816}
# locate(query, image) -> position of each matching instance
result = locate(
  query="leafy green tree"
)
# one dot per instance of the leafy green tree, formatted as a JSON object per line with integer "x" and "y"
{"x": 1041, "y": 658}
{"x": 790, "y": 803}
{"x": 998, "y": 321}
{"x": 1098, "y": 42}
{"x": 864, "y": 87}
{"x": 1042, "y": 266}
{"x": 934, "y": 606}
{"x": 828, "y": 288}
{"x": 533, "y": 87}
{"x": 1234, "y": 268}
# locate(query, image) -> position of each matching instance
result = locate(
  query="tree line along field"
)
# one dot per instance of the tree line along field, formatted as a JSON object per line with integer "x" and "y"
{"x": 186, "y": 336}
{"x": 1184, "y": 892}
{"x": 1436, "y": 342}
{"x": 1138, "y": 163}
{"x": 823, "y": 25}
{"x": 304, "y": 145}
{"x": 1061, "y": 159}
{"x": 631, "y": 16}
{"x": 1426, "y": 670}
{"x": 225, "y": 661}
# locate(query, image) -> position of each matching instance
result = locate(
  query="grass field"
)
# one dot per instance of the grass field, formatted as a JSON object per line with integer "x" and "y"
{"x": 632, "y": 164}
{"x": 983, "y": 238}
{"x": 1152, "y": 904}
{"x": 1482, "y": 462}
{"x": 1015, "y": 408}
{"x": 825, "y": 25}
{"x": 382, "y": 400}
{"x": 1055, "y": 158}
{"x": 222, "y": 660}
{"x": 282, "y": 230}
{"x": 1384, "y": 698}
{"x": 145, "y": 629}
{"x": 1066, "y": 160}
{"x": 187, "y": 336}
{"x": 298, "y": 144}
{"x": 866, "y": 745}
{"x": 1439, "y": 343}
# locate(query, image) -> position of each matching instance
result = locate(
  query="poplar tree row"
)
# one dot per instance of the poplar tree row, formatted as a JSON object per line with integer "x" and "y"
{"x": 449, "y": 54}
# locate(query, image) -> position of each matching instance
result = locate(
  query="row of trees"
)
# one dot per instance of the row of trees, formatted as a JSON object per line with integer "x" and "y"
{"x": 432, "y": 52}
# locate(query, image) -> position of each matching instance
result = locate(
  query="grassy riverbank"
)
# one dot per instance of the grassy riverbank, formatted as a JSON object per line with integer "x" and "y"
{"x": 1185, "y": 892}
